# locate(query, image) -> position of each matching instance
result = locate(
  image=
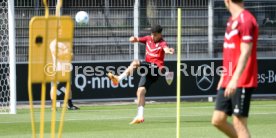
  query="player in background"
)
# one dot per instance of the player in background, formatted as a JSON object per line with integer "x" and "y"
{"x": 156, "y": 47}
{"x": 63, "y": 53}
{"x": 239, "y": 79}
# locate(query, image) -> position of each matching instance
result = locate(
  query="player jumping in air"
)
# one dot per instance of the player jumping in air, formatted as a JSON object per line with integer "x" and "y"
{"x": 239, "y": 79}
{"x": 156, "y": 47}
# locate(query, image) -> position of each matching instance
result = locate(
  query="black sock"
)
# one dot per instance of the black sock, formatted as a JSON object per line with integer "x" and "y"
{"x": 70, "y": 103}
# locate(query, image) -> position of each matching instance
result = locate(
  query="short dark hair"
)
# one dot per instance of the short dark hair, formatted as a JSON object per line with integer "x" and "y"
{"x": 237, "y": 1}
{"x": 156, "y": 28}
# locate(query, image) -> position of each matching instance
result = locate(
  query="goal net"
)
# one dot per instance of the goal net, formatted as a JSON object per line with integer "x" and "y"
{"x": 7, "y": 58}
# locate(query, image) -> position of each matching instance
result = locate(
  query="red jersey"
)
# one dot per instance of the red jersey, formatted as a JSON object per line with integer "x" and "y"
{"x": 154, "y": 51}
{"x": 242, "y": 29}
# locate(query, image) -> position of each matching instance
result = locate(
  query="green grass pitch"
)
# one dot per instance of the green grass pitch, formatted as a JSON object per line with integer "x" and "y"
{"x": 111, "y": 121}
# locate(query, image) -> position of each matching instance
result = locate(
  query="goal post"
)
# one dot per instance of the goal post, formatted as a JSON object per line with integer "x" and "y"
{"x": 7, "y": 59}
{"x": 12, "y": 56}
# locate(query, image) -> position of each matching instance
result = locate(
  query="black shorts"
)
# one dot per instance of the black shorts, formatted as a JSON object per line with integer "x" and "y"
{"x": 61, "y": 87}
{"x": 238, "y": 104}
{"x": 149, "y": 74}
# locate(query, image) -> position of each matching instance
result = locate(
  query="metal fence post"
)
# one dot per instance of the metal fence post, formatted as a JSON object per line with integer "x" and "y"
{"x": 136, "y": 27}
{"x": 210, "y": 29}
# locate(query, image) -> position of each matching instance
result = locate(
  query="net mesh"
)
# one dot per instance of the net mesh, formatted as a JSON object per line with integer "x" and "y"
{"x": 4, "y": 60}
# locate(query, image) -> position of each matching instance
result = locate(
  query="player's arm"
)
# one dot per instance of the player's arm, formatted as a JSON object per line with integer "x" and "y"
{"x": 220, "y": 82}
{"x": 168, "y": 50}
{"x": 246, "y": 49}
{"x": 133, "y": 39}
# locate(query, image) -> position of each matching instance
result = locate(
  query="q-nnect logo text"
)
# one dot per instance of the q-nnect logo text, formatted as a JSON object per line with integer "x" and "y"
{"x": 81, "y": 82}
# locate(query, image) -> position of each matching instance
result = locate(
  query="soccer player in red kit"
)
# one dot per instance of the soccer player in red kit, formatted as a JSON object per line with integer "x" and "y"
{"x": 156, "y": 47}
{"x": 239, "y": 78}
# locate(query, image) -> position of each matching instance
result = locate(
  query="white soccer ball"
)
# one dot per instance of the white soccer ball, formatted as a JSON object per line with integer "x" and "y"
{"x": 82, "y": 18}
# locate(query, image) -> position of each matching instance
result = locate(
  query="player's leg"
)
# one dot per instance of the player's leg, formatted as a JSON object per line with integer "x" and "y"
{"x": 241, "y": 104}
{"x": 129, "y": 71}
{"x": 222, "y": 110}
{"x": 144, "y": 84}
{"x": 52, "y": 91}
{"x": 219, "y": 120}
{"x": 141, "y": 92}
{"x": 70, "y": 104}
{"x": 52, "y": 94}
{"x": 240, "y": 124}
{"x": 132, "y": 67}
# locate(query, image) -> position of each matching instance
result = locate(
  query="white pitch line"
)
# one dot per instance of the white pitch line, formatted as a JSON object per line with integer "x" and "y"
{"x": 201, "y": 107}
{"x": 120, "y": 118}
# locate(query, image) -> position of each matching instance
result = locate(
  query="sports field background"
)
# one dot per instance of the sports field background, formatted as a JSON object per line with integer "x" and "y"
{"x": 111, "y": 121}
